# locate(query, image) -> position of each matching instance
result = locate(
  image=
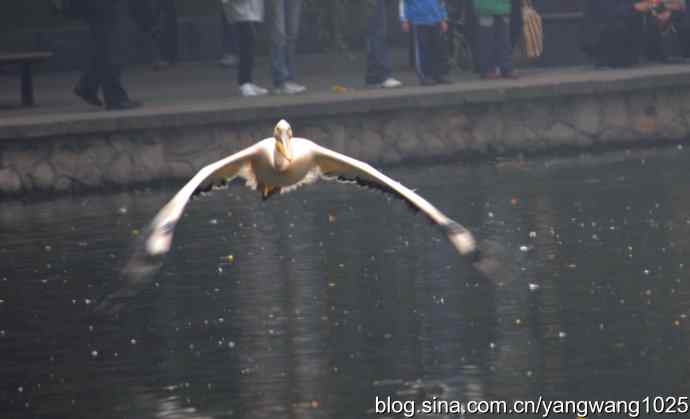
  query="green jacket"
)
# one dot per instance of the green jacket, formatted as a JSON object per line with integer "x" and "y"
{"x": 492, "y": 7}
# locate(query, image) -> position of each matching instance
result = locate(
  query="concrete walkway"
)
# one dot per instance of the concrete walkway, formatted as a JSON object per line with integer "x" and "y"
{"x": 197, "y": 93}
{"x": 191, "y": 83}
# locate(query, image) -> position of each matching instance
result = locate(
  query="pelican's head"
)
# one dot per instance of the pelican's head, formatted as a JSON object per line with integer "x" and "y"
{"x": 283, "y": 135}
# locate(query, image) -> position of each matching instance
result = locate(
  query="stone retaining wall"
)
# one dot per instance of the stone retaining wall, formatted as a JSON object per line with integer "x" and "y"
{"x": 423, "y": 127}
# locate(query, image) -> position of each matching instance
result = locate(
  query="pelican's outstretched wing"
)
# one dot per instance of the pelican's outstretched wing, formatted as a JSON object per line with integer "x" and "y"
{"x": 160, "y": 231}
{"x": 155, "y": 240}
{"x": 333, "y": 164}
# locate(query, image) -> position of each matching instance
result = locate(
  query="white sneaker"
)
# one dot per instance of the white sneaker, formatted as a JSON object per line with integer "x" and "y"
{"x": 290, "y": 88}
{"x": 250, "y": 89}
{"x": 228, "y": 60}
{"x": 390, "y": 83}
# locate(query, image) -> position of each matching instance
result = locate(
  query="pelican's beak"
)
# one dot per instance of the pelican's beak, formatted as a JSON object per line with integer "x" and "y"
{"x": 283, "y": 136}
{"x": 283, "y": 146}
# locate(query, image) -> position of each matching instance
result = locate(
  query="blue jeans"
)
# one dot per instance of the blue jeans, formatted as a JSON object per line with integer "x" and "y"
{"x": 284, "y": 20}
{"x": 378, "y": 57}
{"x": 495, "y": 50}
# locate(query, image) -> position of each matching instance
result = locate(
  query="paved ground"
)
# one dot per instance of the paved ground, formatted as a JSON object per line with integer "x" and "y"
{"x": 205, "y": 87}
{"x": 193, "y": 82}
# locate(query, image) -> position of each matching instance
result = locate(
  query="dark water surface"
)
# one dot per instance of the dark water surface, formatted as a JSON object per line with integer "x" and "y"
{"x": 312, "y": 304}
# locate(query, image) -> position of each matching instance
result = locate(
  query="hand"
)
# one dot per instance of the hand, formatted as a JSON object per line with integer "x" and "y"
{"x": 406, "y": 26}
{"x": 444, "y": 26}
{"x": 642, "y": 6}
{"x": 664, "y": 16}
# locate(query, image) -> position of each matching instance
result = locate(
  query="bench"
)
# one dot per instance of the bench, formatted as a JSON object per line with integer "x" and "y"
{"x": 25, "y": 60}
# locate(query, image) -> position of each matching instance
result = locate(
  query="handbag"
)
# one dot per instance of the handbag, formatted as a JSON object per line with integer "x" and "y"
{"x": 532, "y": 42}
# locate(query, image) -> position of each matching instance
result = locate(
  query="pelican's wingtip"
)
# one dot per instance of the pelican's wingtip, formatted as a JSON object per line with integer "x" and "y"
{"x": 462, "y": 239}
{"x": 158, "y": 243}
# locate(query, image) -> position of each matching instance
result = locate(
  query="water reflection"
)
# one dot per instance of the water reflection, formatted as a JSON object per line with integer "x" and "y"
{"x": 313, "y": 304}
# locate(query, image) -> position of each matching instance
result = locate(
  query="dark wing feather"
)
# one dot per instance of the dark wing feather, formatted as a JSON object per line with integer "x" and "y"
{"x": 341, "y": 166}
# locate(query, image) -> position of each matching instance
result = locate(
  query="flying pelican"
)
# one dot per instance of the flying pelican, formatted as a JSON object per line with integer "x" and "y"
{"x": 276, "y": 164}
{"x": 282, "y": 163}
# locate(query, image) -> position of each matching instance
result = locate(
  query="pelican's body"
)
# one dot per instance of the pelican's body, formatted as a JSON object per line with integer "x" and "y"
{"x": 270, "y": 168}
{"x": 281, "y": 163}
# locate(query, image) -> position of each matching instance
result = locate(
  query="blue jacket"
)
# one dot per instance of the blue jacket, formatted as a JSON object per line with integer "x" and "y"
{"x": 423, "y": 12}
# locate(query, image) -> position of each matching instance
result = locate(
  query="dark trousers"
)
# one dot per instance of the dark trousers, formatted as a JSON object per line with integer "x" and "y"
{"x": 228, "y": 35}
{"x": 619, "y": 42}
{"x": 431, "y": 57}
{"x": 495, "y": 49}
{"x": 108, "y": 54}
{"x": 246, "y": 34}
{"x": 378, "y": 56}
{"x": 165, "y": 14}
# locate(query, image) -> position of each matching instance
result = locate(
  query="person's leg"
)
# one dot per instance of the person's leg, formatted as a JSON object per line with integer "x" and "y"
{"x": 276, "y": 16}
{"x": 114, "y": 54}
{"x": 485, "y": 37}
{"x": 89, "y": 84}
{"x": 504, "y": 48}
{"x": 169, "y": 45}
{"x": 293, "y": 15}
{"x": 422, "y": 53}
{"x": 438, "y": 54}
{"x": 245, "y": 41}
{"x": 378, "y": 57}
{"x": 228, "y": 36}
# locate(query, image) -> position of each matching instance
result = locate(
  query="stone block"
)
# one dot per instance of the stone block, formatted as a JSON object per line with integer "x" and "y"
{"x": 372, "y": 146}
{"x": 120, "y": 170}
{"x": 10, "y": 182}
{"x": 586, "y": 115}
{"x": 561, "y": 133}
{"x": 43, "y": 176}
{"x": 148, "y": 161}
{"x": 337, "y": 136}
{"x": 62, "y": 184}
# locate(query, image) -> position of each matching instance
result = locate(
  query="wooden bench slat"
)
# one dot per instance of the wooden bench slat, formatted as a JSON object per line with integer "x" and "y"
{"x": 23, "y": 57}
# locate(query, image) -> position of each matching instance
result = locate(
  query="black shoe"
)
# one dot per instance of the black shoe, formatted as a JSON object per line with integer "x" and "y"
{"x": 123, "y": 105}
{"x": 427, "y": 82}
{"x": 89, "y": 97}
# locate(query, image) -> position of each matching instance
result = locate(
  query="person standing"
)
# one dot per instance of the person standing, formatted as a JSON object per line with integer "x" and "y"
{"x": 165, "y": 34}
{"x": 228, "y": 42}
{"x": 105, "y": 19}
{"x": 244, "y": 14}
{"x": 284, "y": 20}
{"x": 378, "y": 71}
{"x": 428, "y": 21}
{"x": 494, "y": 38}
